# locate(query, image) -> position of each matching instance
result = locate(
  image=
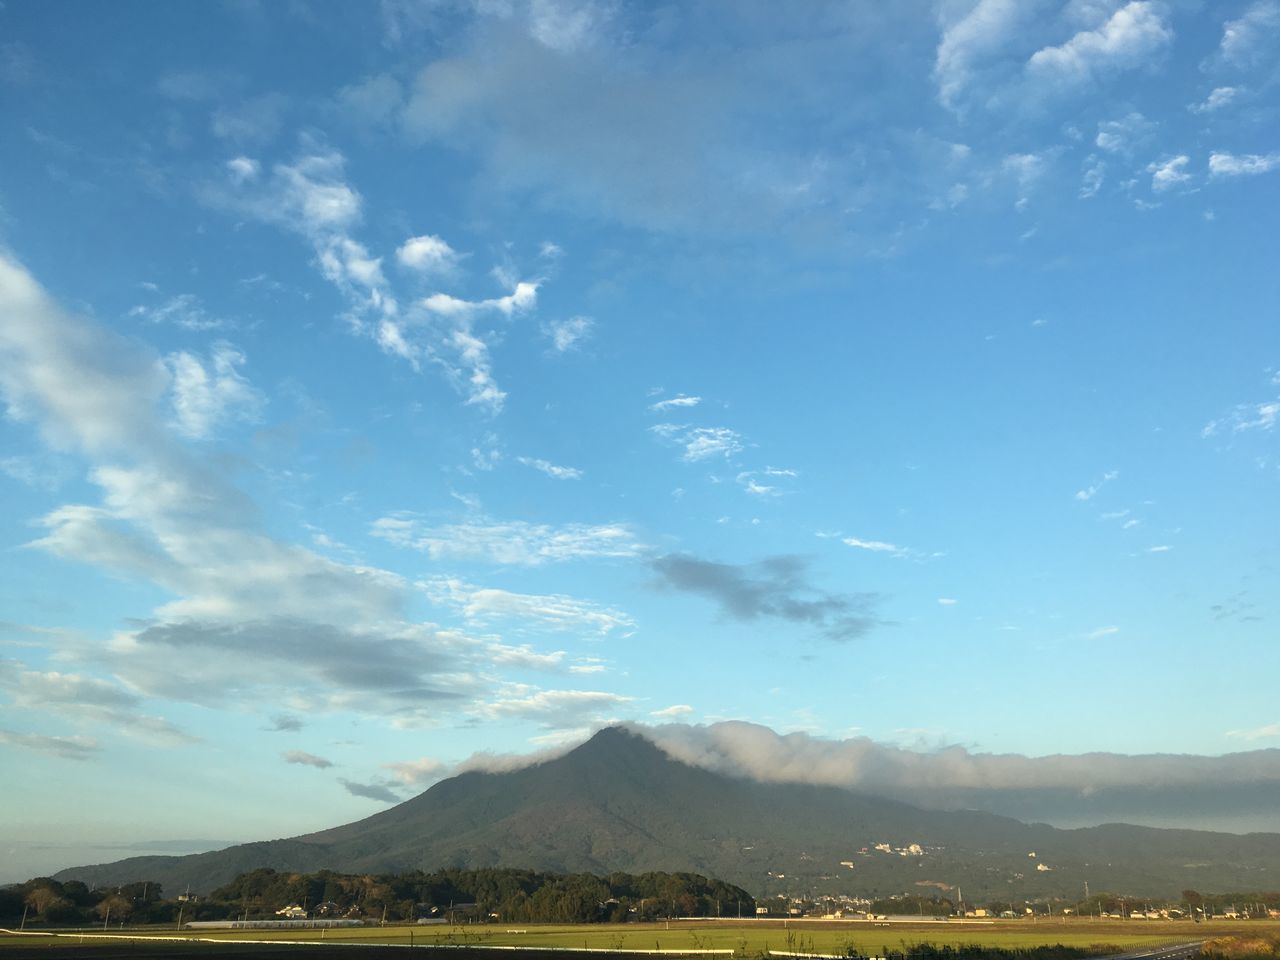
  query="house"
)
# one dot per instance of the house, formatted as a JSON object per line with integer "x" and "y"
{"x": 292, "y": 912}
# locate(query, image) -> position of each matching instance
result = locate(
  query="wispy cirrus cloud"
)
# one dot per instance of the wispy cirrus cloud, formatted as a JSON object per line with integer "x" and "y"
{"x": 567, "y": 335}
{"x": 310, "y": 197}
{"x": 1085, "y": 494}
{"x": 485, "y": 605}
{"x": 509, "y": 542}
{"x": 67, "y": 748}
{"x": 205, "y": 394}
{"x": 875, "y": 546}
{"x": 1269, "y": 731}
{"x": 184, "y": 310}
{"x": 1247, "y": 39}
{"x": 552, "y": 470}
{"x": 701, "y": 443}
{"x": 671, "y": 403}
{"x": 556, "y": 709}
{"x": 1245, "y": 417}
{"x": 1218, "y": 99}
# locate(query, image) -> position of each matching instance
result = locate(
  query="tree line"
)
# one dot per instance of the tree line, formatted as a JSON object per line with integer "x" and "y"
{"x": 509, "y": 895}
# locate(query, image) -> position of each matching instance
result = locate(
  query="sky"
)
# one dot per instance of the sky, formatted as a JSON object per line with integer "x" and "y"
{"x": 395, "y": 387}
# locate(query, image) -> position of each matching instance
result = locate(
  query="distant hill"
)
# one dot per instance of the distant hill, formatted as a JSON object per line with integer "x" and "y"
{"x": 619, "y": 803}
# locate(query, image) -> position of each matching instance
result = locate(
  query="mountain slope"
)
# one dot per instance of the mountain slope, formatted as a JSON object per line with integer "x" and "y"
{"x": 618, "y": 803}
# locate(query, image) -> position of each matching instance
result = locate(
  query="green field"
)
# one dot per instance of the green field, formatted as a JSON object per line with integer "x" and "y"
{"x": 745, "y": 938}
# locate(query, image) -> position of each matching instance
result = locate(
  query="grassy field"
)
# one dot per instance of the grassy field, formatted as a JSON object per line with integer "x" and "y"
{"x": 745, "y": 938}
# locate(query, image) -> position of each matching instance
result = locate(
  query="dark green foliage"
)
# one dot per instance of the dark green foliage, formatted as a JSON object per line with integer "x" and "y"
{"x": 522, "y": 896}
{"x": 49, "y": 902}
{"x": 913, "y": 906}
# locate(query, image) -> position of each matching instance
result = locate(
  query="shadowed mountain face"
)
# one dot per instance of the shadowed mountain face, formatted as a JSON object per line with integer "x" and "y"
{"x": 619, "y": 803}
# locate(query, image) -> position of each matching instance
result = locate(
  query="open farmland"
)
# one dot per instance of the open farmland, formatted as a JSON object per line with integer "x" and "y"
{"x": 744, "y": 938}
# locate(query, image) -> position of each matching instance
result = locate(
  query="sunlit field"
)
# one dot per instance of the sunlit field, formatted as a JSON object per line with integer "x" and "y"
{"x": 749, "y": 938}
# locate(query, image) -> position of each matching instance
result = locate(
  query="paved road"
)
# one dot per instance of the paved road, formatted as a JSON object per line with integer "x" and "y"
{"x": 1169, "y": 951}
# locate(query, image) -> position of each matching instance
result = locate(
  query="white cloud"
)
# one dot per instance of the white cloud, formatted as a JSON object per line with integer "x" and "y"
{"x": 681, "y": 400}
{"x": 1246, "y": 38}
{"x": 1246, "y": 416}
{"x": 486, "y": 457}
{"x": 557, "y": 708}
{"x": 1026, "y": 168}
{"x": 701, "y": 443}
{"x": 424, "y": 770}
{"x": 949, "y": 777}
{"x": 344, "y": 261}
{"x": 85, "y": 388}
{"x": 969, "y": 40}
{"x": 1123, "y": 135}
{"x": 755, "y": 488}
{"x": 1088, "y": 493}
{"x": 1218, "y": 98}
{"x": 551, "y": 469}
{"x": 1094, "y": 175}
{"x": 88, "y": 701}
{"x": 185, "y": 311}
{"x": 205, "y": 395}
{"x": 947, "y": 601}
{"x": 1168, "y": 173}
{"x": 427, "y": 254}
{"x": 243, "y": 169}
{"x": 68, "y": 748}
{"x": 308, "y": 196}
{"x": 875, "y": 546}
{"x": 566, "y": 335}
{"x": 747, "y": 480}
{"x": 486, "y": 605}
{"x": 522, "y": 298}
{"x": 1161, "y": 548}
{"x": 311, "y": 197}
{"x": 1101, "y": 632}
{"x": 675, "y": 710}
{"x": 1266, "y": 732}
{"x": 250, "y": 618}
{"x": 1230, "y": 165}
{"x": 566, "y": 26}
{"x": 1131, "y": 37}
{"x": 510, "y": 542}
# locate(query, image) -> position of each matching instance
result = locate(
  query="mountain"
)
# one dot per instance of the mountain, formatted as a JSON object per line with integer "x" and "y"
{"x": 619, "y": 803}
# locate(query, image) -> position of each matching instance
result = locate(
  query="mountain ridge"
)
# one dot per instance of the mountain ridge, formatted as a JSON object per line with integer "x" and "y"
{"x": 618, "y": 802}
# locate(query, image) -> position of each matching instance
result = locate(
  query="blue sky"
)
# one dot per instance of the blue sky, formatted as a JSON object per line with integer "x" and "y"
{"x": 388, "y": 383}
